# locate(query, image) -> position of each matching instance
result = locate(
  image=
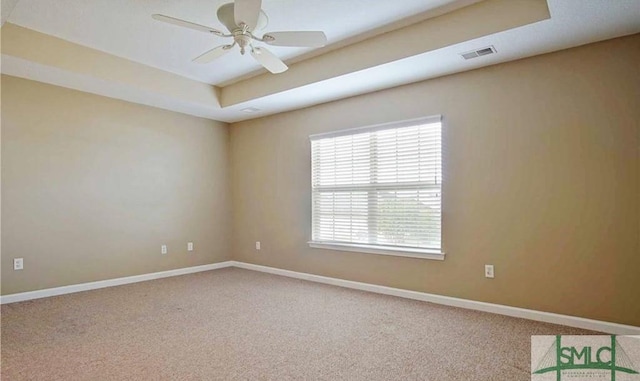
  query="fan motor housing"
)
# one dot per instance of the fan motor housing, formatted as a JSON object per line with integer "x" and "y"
{"x": 242, "y": 39}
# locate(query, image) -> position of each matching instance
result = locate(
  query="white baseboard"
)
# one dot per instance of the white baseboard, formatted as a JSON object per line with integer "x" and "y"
{"x": 22, "y": 296}
{"x": 547, "y": 317}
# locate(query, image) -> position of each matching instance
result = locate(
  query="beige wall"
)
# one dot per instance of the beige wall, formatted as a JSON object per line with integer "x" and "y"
{"x": 541, "y": 179}
{"x": 92, "y": 187}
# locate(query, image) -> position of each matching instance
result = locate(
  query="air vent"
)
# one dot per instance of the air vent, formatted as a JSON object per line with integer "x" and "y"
{"x": 478, "y": 53}
{"x": 250, "y": 109}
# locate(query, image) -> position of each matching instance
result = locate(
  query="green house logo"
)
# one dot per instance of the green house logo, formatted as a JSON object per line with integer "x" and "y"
{"x": 586, "y": 357}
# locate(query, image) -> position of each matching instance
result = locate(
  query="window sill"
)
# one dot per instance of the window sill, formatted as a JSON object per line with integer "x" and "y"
{"x": 404, "y": 252}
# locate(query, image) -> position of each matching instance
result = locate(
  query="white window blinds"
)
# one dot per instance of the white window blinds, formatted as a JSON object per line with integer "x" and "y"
{"x": 379, "y": 186}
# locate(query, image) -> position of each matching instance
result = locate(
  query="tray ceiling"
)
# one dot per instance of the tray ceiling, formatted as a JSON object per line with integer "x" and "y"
{"x": 114, "y": 48}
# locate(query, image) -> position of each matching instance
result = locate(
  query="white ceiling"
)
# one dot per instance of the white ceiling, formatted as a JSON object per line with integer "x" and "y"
{"x": 6, "y": 9}
{"x": 124, "y": 28}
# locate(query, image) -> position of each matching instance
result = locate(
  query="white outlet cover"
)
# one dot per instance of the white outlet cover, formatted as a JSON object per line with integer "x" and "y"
{"x": 488, "y": 271}
{"x": 189, "y": 246}
{"x": 257, "y": 245}
{"x": 163, "y": 249}
{"x": 18, "y": 263}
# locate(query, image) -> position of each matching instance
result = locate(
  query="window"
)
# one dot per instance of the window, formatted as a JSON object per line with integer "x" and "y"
{"x": 378, "y": 189}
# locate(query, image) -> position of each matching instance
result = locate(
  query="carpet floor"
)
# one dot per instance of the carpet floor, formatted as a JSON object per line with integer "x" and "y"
{"x": 234, "y": 324}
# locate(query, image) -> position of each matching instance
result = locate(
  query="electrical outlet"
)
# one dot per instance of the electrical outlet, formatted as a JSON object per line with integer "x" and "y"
{"x": 257, "y": 245}
{"x": 189, "y": 246}
{"x": 488, "y": 271}
{"x": 163, "y": 249}
{"x": 18, "y": 263}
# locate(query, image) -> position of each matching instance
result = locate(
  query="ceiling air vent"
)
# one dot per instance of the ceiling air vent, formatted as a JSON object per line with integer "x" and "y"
{"x": 477, "y": 53}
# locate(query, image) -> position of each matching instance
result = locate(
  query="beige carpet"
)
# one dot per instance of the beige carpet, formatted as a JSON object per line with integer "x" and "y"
{"x": 234, "y": 324}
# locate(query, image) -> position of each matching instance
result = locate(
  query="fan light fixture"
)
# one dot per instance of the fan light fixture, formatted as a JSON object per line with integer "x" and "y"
{"x": 242, "y": 18}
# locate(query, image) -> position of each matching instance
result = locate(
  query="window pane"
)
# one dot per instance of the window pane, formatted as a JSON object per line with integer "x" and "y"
{"x": 407, "y": 218}
{"x": 340, "y": 217}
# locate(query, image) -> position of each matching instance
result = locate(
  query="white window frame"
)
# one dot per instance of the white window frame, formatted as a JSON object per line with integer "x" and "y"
{"x": 411, "y": 252}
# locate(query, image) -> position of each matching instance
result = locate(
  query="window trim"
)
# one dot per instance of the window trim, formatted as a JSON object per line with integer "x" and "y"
{"x": 419, "y": 253}
{"x": 380, "y": 250}
{"x": 377, "y": 127}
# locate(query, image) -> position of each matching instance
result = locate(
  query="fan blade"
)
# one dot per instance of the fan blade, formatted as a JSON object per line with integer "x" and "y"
{"x": 304, "y": 39}
{"x": 247, "y": 12}
{"x": 212, "y": 54}
{"x": 268, "y": 60}
{"x": 186, "y": 24}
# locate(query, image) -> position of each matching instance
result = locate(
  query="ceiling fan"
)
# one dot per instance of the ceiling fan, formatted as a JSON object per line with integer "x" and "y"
{"x": 242, "y": 18}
